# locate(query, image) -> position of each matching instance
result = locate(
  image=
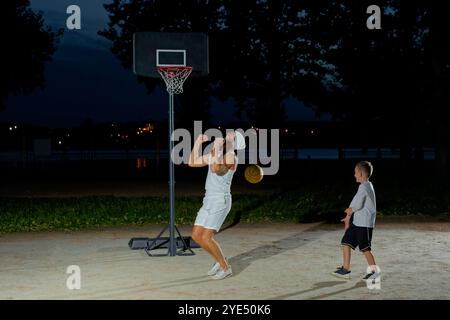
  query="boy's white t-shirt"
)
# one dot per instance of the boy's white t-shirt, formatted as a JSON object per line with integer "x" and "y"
{"x": 364, "y": 206}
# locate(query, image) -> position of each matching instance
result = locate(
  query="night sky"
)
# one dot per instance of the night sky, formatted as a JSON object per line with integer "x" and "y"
{"x": 85, "y": 81}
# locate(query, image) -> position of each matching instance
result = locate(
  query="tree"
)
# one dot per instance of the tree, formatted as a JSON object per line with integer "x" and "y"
{"x": 439, "y": 59}
{"x": 391, "y": 84}
{"x": 28, "y": 45}
{"x": 395, "y": 80}
{"x": 252, "y": 47}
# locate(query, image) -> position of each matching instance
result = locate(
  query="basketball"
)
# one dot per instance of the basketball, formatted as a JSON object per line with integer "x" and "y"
{"x": 254, "y": 173}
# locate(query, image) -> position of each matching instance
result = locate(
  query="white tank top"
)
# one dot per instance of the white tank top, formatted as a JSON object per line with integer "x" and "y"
{"x": 218, "y": 185}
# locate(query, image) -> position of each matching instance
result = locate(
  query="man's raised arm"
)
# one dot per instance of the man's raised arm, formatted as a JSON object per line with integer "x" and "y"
{"x": 195, "y": 160}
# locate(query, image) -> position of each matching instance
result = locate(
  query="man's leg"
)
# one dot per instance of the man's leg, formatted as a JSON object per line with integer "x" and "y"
{"x": 198, "y": 236}
{"x": 346, "y": 250}
{"x": 196, "y": 233}
{"x": 213, "y": 248}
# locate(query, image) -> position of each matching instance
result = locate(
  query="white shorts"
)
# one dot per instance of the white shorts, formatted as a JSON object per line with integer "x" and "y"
{"x": 213, "y": 212}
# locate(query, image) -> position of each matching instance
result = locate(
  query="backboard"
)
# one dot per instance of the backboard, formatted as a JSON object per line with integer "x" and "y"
{"x": 166, "y": 49}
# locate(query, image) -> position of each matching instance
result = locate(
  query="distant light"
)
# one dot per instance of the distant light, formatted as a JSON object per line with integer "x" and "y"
{"x": 138, "y": 132}
{"x": 15, "y": 127}
{"x": 118, "y": 134}
{"x": 219, "y": 127}
{"x": 312, "y": 131}
{"x": 286, "y": 130}
{"x": 10, "y": 128}
{"x": 59, "y": 142}
{"x": 68, "y": 135}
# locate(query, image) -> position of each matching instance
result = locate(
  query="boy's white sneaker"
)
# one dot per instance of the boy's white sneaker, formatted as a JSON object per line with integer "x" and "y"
{"x": 222, "y": 274}
{"x": 372, "y": 277}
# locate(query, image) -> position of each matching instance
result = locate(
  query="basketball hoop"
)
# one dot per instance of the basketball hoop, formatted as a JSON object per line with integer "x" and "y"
{"x": 167, "y": 55}
{"x": 174, "y": 77}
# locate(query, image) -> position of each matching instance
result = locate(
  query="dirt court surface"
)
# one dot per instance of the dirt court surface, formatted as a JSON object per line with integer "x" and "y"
{"x": 270, "y": 261}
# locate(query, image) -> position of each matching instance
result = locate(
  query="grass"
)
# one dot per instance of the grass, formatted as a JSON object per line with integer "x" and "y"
{"x": 302, "y": 205}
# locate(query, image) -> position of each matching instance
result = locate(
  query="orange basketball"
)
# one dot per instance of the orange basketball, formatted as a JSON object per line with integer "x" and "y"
{"x": 253, "y": 173}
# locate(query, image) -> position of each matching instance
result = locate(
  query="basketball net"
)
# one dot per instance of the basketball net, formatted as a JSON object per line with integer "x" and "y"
{"x": 174, "y": 77}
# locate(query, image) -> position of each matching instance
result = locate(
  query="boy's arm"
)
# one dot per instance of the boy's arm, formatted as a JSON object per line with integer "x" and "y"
{"x": 349, "y": 212}
{"x": 346, "y": 220}
{"x": 357, "y": 202}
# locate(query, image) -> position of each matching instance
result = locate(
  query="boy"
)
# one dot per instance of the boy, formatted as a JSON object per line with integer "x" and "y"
{"x": 359, "y": 222}
{"x": 217, "y": 200}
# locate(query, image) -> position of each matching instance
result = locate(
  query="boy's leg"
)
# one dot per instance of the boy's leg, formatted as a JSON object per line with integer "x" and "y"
{"x": 344, "y": 271}
{"x": 346, "y": 250}
{"x": 365, "y": 239}
{"x": 349, "y": 242}
{"x": 370, "y": 259}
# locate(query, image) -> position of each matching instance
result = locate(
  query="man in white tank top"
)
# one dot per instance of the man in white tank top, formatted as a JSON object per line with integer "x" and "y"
{"x": 217, "y": 199}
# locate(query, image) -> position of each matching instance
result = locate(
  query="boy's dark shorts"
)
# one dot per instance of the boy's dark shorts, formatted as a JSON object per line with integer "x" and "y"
{"x": 358, "y": 237}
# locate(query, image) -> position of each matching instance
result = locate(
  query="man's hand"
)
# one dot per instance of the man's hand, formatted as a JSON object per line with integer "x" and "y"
{"x": 218, "y": 143}
{"x": 219, "y": 169}
{"x": 202, "y": 138}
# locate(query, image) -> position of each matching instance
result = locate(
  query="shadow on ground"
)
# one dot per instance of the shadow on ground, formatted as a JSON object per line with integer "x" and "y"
{"x": 243, "y": 260}
{"x": 240, "y": 262}
{"x": 319, "y": 286}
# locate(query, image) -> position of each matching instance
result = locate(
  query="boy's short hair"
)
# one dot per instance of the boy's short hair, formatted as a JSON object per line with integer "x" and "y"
{"x": 366, "y": 167}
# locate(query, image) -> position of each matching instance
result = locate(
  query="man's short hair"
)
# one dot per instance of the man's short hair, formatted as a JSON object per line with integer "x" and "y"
{"x": 366, "y": 167}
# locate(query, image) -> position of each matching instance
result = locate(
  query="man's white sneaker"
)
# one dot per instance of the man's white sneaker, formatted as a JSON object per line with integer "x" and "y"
{"x": 222, "y": 274}
{"x": 215, "y": 267}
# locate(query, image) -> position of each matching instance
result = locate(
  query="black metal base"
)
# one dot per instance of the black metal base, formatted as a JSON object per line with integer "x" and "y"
{"x": 162, "y": 242}
{"x": 138, "y": 243}
{"x": 183, "y": 247}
